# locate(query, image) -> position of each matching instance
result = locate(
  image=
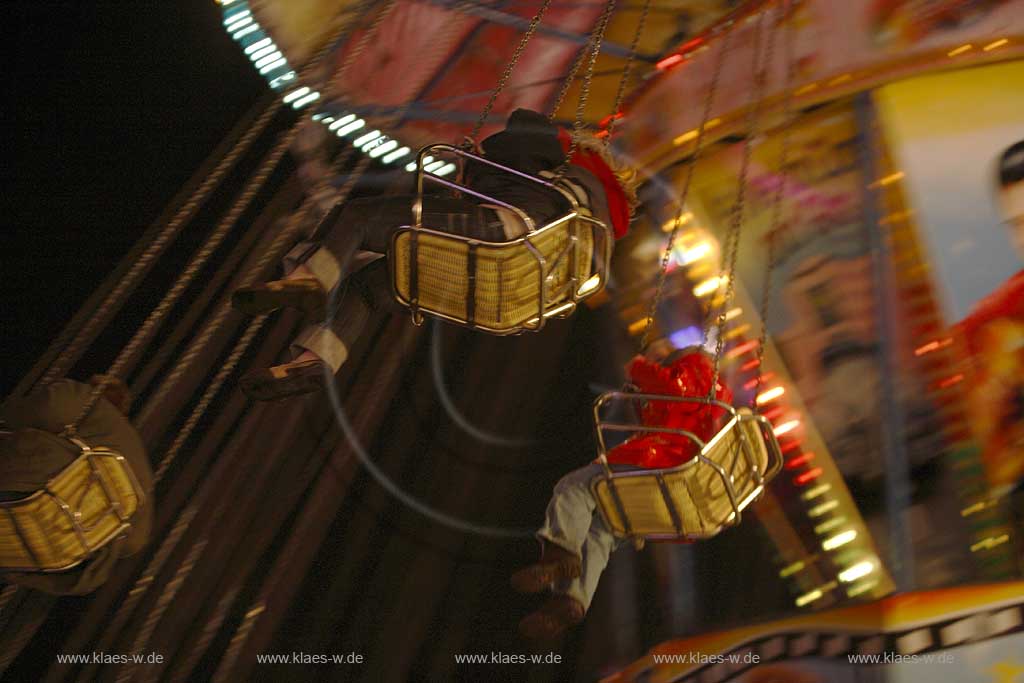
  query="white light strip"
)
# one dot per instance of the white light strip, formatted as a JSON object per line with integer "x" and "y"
{"x": 263, "y": 61}
{"x": 236, "y": 25}
{"x": 838, "y": 540}
{"x": 295, "y": 94}
{"x": 306, "y": 100}
{"x": 433, "y": 167}
{"x": 396, "y": 155}
{"x": 363, "y": 139}
{"x": 857, "y": 571}
{"x": 245, "y": 31}
{"x": 273, "y": 65}
{"x": 290, "y": 76}
{"x": 380, "y": 150}
{"x": 354, "y": 126}
{"x": 263, "y": 52}
{"x": 230, "y": 21}
{"x": 259, "y": 45}
{"x": 343, "y": 121}
{"x": 448, "y": 168}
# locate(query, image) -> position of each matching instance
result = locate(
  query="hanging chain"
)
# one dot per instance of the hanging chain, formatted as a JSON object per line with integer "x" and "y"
{"x": 158, "y": 314}
{"x": 627, "y": 71}
{"x": 731, "y": 248}
{"x": 776, "y": 219}
{"x": 596, "y": 38}
{"x": 688, "y": 180}
{"x": 503, "y": 81}
{"x": 569, "y": 79}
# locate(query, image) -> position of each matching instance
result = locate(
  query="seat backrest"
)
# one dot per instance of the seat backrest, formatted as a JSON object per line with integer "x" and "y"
{"x": 500, "y": 287}
{"x": 85, "y": 506}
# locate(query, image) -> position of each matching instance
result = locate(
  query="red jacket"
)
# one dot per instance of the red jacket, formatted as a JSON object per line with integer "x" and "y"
{"x": 689, "y": 375}
{"x": 618, "y": 205}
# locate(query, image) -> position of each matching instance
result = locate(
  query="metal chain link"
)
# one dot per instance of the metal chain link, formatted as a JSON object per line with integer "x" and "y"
{"x": 569, "y": 79}
{"x": 149, "y": 326}
{"x": 776, "y": 219}
{"x": 736, "y": 218}
{"x": 627, "y": 71}
{"x": 596, "y": 38}
{"x": 684, "y": 193}
{"x": 503, "y": 81}
{"x": 167, "y": 234}
{"x": 157, "y": 315}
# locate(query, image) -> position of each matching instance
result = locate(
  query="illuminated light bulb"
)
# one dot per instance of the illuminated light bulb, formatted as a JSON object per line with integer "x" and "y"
{"x": 290, "y": 76}
{"x": 733, "y": 313}
{"x": 366, "y": 137}
{"x": 839, "y": 540}
{"x": 989, "y": 543}
{"x": 803, "y": 90}
{"x": 799, "y": 460}
{"x": 273, "y": 65}
{"x": 263, "y": 61}
{"x": 236, "y": 17}
{"x": 710, "y": 285}
{"x": 829, "y": 525}
{"x": 972, "y": 509}
{"x": 263, "y": 52}
{"x": 433, "y": 166}
{"x": 259, "y": 45}
{"x": 813, "y": 493}
{"x": 245, "y": 31}
{"x": 786, "y": 427}
{"x": 685, "y": 137}
{"x": 998, "y": 43}
{"x": 750, "y": 365}
{"x": 840, "y": 79}
{"x": 669, "y": 61}
{"x": 681, "y": 220}
{"x": 792, "y": 569}
{"x": 445, "y": 170}
{"x": 950, "y": 381}
{"x": 736, "y": 332}
{"x": 770, "y": 395}
{"x": 857, "y": 571}
{"x": 741, "y": 349}
{"x": 350, "y": 128}
{"x": 960, "y": 50}
{"x": 295, "y": 94}
{"x": 373, "y": 143}
{"x": 810, "y": 597}
{"x": 861, "y": 588}
{"x": 343, "y": 121}
{"x": 823, "y": 508}
{"x": 695, "y": 253}
{"x": 774, "y": 414}
{"x": 381, "y": 150}
{"x": 302, "y": 102}
{"x": 592, "y": 283}
{"x": 809, "y": 475}
{"x": 396, "y": 155}
{"x": 411, "y": 166}
{"x": 754, "y": 382}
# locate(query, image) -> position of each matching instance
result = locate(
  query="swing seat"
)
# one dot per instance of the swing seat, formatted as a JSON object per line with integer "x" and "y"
{"x": 85, "y": 506}
{"x": 697, "y": 499}
{"x": 502, "y": 288}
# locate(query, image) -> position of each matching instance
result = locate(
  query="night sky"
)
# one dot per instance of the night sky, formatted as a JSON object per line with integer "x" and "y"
{"x": 115, "y": 106}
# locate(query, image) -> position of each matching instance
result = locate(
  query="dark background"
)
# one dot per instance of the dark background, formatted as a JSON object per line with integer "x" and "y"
{"x": 114, "y": 106}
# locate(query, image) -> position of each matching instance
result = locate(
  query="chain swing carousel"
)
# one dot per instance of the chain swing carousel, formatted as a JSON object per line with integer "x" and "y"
{"x": 246, "y": 573}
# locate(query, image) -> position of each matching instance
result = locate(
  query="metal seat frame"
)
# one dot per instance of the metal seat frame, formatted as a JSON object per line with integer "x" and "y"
{"x": 550, "y": 304}
{"x": 72, "y": 510}
{"x": 740, "y": 493}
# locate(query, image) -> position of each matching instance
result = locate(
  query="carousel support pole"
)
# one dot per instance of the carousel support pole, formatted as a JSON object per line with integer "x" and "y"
{"x": 897, "y": 471}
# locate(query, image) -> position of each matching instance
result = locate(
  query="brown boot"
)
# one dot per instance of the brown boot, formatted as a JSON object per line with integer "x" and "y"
{"x": 282, "y": 381}
{"x": 304, "y": 294}
{"x": 554, "y": 618}
{"x": 556, "y": 564}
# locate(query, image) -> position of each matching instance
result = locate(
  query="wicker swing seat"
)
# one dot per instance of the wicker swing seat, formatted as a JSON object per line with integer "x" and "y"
{"x": 85, "y": 506}
{"x": 501, "y": 288}
{"x": 695, "y": 500}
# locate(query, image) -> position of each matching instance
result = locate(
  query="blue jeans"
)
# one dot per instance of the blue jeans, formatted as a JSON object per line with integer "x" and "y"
{"x": 573, "y": 523}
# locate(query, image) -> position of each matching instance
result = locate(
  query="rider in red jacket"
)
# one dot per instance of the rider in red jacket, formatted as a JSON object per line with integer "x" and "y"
{"x": 685, "y": 373}
{"x": 576, "y": 543}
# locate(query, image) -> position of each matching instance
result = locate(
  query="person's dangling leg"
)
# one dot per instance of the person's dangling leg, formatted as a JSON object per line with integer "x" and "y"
{"x": 566, "y": 525}
{"x": 321, "y": 349}
{"x": 571, "y": 597}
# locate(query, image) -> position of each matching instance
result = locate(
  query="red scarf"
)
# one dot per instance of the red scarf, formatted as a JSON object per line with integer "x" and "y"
{"x": 618, "y": 206}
